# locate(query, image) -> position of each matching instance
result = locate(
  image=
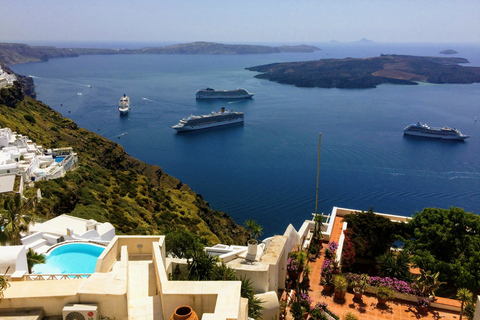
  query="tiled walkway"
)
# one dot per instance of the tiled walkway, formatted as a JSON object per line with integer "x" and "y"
{"x": 367, "y": 308}
{"x": 143, "y": 303}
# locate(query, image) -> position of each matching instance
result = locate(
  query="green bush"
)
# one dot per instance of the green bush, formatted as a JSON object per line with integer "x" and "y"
{"x": 30, "y": 118}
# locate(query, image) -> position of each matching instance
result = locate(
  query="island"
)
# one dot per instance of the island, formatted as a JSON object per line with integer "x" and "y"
{"x": 448, "y": 51}
{"x": 369, "y": 72}
{"x": 13, "y": 53}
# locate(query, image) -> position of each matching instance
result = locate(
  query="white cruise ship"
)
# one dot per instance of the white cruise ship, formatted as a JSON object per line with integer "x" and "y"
{"x": 210, "y": 93}
{"x": 124, "y": 105}
{"x": 213, "y": 119}
{"x": 422, "y": 130}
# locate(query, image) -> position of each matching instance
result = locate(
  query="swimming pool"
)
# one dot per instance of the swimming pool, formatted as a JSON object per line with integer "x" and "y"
{"x": 70, "y": 258}
{"x": 59, "y": 159}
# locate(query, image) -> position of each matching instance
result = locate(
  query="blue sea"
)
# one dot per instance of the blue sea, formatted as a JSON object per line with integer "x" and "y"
{"x": 266, "y": 169}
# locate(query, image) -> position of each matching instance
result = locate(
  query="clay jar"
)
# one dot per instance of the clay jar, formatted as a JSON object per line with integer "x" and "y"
{"x": 184, "y": 313}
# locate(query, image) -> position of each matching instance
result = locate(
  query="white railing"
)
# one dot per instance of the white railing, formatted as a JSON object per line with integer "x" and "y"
{"x": 37, "y": 277}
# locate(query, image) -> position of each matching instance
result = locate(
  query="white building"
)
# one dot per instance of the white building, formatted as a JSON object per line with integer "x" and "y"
{"x": 22, "y": 159}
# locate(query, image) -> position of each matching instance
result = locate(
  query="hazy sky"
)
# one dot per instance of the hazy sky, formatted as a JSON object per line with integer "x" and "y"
{"x": 306, "y": 21}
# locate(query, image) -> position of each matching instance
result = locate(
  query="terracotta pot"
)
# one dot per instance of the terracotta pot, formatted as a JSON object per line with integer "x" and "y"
{"x": 327, "y": 287}
{"x": 423, "y": 310}
{"x": 381, "y": 300}
{"x": 305, "y": 316}
{"x": 357, "y": 295}
{"x": 184, "y": 313}
{"x": 340, "y": 295}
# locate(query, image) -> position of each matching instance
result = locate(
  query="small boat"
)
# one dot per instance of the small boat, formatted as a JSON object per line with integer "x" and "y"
{"x": 422, "y": 130}
{"x": 210, "y": 93}
{"x": 213, "y": 119}
{"x": 124, "y": 105}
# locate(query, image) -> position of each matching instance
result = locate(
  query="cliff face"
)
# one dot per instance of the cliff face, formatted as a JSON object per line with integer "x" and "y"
{"x": 370, "y": 72}
{"x": 13, "y": 53}
{"x": 110, "y": 185}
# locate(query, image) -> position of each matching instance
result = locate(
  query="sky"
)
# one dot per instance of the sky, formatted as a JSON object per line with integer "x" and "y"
{"x": 240, "y": 21}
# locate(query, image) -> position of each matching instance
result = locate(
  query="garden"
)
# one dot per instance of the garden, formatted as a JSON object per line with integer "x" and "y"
{"x": 434, "y": 254}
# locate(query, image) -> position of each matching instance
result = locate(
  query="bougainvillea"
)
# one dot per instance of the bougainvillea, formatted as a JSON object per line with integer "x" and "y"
{"x": 348, "y": 253}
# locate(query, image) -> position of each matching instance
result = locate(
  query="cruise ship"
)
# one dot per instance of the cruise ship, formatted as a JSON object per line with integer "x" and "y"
{"x": 213, "y": 119}
{"x": 210, "y": 93}
{"x": 422, "y": 130}
{"x": 124, "y": 105}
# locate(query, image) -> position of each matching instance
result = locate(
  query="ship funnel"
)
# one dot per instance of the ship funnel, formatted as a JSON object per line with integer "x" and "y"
{"x": 223, "y": 109}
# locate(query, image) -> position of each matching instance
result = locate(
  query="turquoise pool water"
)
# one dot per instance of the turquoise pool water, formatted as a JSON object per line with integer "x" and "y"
{"x": 59, "y": 159}
{"x": 70, "y": 258}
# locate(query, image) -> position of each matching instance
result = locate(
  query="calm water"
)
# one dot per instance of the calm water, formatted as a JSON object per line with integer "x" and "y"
{"x": 71, "y": 258}
{"x": 266, "y": 168}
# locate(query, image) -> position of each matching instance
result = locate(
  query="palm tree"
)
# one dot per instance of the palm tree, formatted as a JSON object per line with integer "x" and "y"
{"x": 13, "y": 220}
{"x": 254, "y": 304}
{"x": 253, "y": 228}
{"x": 464, "y": 295}
{"x": 4, "y": 284}
{"x": 200, "y": 266}
{"x": 34, "y": 258}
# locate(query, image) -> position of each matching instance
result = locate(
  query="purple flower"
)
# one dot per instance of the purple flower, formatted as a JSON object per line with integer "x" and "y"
{"x": 332, "y": 246}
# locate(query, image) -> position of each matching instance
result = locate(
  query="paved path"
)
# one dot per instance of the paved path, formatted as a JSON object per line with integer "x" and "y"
{"x": 143, "y": 301}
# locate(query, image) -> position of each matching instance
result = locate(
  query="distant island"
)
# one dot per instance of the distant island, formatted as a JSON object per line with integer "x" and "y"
{"x": 13, "y": 53}
{"x": 369, "y": 72}
{"x": 448, "y": 51}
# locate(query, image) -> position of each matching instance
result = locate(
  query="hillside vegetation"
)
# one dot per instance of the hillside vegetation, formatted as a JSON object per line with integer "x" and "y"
{"x": 110, "y": 185}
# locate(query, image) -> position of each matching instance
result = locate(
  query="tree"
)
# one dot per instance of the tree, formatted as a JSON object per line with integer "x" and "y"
{"x": 253, "y": 228}
{"x": 446, "y": 241}
{"x": 464, "y": 295}
{"x": 13, "y": 220}
{"x": 182, "y": 243}
{"x": 372, "y": 234}
{"x": 34, "y": 258}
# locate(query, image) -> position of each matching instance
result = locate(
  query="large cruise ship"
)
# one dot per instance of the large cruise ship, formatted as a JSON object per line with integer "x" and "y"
{"x": 422, "y": 130}
{"x": 124, "y": 105}
{"x": 213, "y": 119}
{"x": 210, "y": 93}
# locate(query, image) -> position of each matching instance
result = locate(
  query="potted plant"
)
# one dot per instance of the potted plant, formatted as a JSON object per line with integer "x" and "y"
{"x": 306, "y": 276}
{"x": 336, "y": 267}
{"x": 384, "y": 294}
{"x": 359, "y": 284}
{"x": 341, "y": 285}
{"x": 297, "y": 310}
{"x": 255, "y": 230}
{"x": 292, "y": 269}
{"x": 350, "y": 316}
{"x": 427, "y": 283}
{"x": 318, "y": 312}
{"x": 423, "y": 305}
{"x": 327, "y": 277}
{"x": 330, "y": 250}
{"x": 313, "y": 251}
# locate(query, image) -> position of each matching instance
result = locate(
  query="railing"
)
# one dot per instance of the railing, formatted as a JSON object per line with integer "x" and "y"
{"x": 37, "y": 277}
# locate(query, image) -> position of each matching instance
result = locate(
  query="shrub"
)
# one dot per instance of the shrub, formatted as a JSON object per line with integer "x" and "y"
{"x": 350, "y": 316}
{"x": 30, "y": 118}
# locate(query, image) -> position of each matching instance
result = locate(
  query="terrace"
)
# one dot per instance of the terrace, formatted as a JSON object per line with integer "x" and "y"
{"x": 367, "y": 308}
